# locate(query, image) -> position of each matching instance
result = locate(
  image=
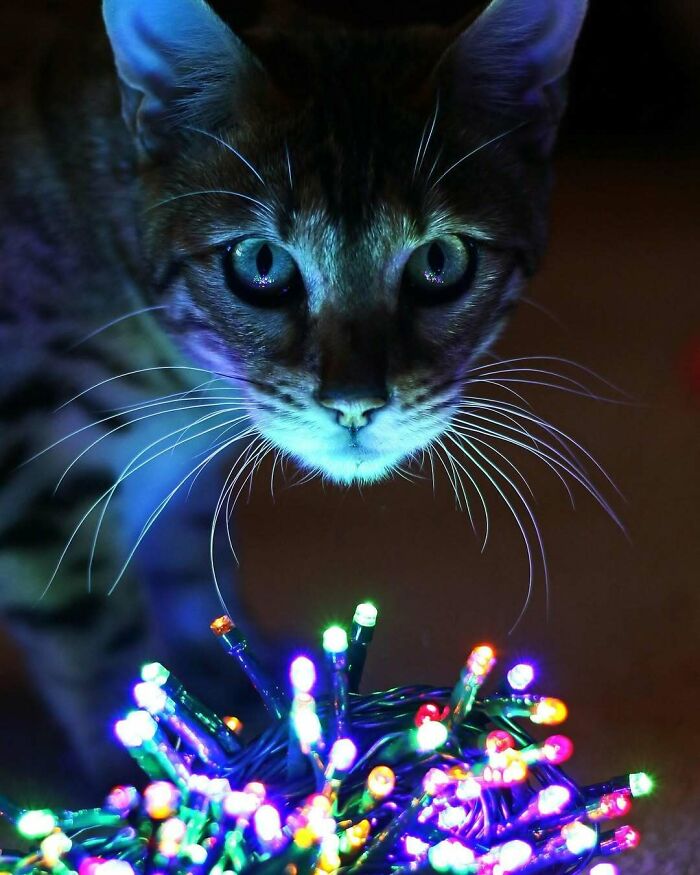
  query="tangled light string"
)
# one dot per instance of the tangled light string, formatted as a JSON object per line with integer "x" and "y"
{"x": 410, "y": 780}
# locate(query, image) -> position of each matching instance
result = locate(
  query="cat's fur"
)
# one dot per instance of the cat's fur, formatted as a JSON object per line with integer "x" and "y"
{"x": 350, "y": 149}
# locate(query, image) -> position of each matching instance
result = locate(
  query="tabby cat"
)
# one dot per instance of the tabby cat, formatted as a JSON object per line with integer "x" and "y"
{"x": 300, "y": 239}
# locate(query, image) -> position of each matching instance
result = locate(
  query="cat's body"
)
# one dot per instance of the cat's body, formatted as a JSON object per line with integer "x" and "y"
{"x": 347, "y": 151}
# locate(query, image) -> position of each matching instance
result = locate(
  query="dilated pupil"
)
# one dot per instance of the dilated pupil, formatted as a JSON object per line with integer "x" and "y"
{"x": 436, "y": 258}
{"x": 263, "y": 260}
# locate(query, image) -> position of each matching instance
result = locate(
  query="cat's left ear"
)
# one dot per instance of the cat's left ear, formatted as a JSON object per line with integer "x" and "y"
{"x": 513, "y": 58}
{"x": 178, "y": 64}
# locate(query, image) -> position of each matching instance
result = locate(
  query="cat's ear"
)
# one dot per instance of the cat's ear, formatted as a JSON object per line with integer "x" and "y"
{"x": 178, "y": 64}
{"x": 513, "y": 57}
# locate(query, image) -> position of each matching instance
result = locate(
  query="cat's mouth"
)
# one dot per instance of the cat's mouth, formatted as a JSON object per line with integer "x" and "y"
{"x": 347, "y": 455}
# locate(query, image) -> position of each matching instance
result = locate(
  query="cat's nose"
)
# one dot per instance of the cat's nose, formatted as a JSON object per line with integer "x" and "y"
{"x": 353, "y": 411}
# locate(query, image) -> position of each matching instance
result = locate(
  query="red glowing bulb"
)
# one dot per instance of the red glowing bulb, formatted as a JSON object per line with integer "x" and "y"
{"x": 430, "y": 711}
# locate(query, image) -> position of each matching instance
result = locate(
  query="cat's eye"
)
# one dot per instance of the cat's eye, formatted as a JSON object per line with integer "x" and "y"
{"x": 440, "y": 270}
{"x": 260, "y": 272}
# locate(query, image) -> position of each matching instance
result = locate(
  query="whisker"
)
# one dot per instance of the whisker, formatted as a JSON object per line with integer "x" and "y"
{"x": 114, "y": 322}
{"x": 128, "y": 424}
{"x": 212, "y": 191}
{"x": 289, "y": 167}
{"x": 487, "y": 522}
{"x": 460, "y": 442}
{"x": 229, "y": 148}
{"x": 422, "y": 150}
{"x": 552, "y": 358}
{"x": 476, "y": 151}
{"x": 157, "y": 512}
{"x": 519, "y": 413}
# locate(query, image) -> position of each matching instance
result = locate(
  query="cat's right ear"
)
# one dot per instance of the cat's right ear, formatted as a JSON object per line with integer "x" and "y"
{"x": 179, "y": 64}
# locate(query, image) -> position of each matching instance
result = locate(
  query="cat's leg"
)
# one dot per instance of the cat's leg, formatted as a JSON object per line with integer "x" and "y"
{"x": 82, "y": 648}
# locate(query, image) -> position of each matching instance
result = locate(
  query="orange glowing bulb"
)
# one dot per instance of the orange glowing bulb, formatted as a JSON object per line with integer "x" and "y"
{"x": 549, "y": 711}
{"x": 381, "y": 782}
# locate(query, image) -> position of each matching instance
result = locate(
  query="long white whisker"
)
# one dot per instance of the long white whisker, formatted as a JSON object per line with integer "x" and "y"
{"x": 129, "y": 470}
{"x": 477, "y": 150}
{"x": 131, "y": 422}
{"x": 460, "y": 442}
{"x": 215, "y": 191}
{"x": 231, "y": 149}
{"x": 487, "y": 521}
{"x": 156, "y": 513}
{"x": 114, "y": 322}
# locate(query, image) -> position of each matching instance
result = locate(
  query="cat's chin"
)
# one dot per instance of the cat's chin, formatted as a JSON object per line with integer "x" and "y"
{"x": 350, "y": 470}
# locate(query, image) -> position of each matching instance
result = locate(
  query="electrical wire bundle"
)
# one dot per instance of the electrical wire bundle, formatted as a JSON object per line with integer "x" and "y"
{"x": 411, "y": 780}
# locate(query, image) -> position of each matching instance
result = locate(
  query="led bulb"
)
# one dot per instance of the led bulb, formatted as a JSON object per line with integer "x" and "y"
{"x": 452, "y": 817}
{"x": 381, "y": 782}
{"x": 155, "y": 673}
{"x": 434, "y": 781}
{"x": 553, "y": 800}
{"x": 415, "y": 847}
{"x": 195, "y": 853}
{"x": 137, "y": 727}
{"x": 627, "y": 838}
{"x": 53, "y": 847}
{"x": 343, "y": 754}
{"x": 499, "y": 741}
{"x": 233, "y": 723}
{"x": 431, "y": 735}
{"x": 481, "y": 660}
{"x": 122, "y": 798}
{"x": 557, "y": 749}
{"x": 365, "y": 615}
{"x": 521, "y": 676}
{"x": 302, "y": 674}
{"x": 36, "y": 824}
{"x": 605, "y": 869}
{"x": 307, "y": 727}
{"x": 150, "y": 696}
{"x": 579, "y": 838}
{"x": 514, "y": 855}
{"x": 161, "y": 799}
{"x": 641, "y": 784}
{"x": 549, "y": 711}
{"x": 335, "y": 640}
{"x": 239, "y": 804}
{"x": 267, "y": 823}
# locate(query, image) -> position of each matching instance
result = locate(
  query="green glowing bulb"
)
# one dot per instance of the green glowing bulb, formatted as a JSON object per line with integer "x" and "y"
{"x": 365, "y": 615}
{"x": 335, "y": 640}
{"x": 431, "y": 735}
{"x": 155, "y": 673}
{"x": 641, "y": 784}
{"x": 36, "y": 824}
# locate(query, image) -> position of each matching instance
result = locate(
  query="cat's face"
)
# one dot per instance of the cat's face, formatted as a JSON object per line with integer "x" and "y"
{"x": 351, "y": 244}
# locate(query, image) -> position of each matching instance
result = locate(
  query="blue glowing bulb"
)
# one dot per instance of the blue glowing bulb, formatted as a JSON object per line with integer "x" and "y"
{"x": 514, "y": 855}
{"x": 579, "y": 838}
{"x": 343, "y": 754}
{"x": 267, "y": 823}
{"x": 521, "y": 676}
{"x": 302, "y": 674}
{"x": 150, "y": 696}
{"x": 553, "y": 799}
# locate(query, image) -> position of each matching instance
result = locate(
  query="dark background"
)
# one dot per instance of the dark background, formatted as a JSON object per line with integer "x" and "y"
{"x": 618, "y": 293}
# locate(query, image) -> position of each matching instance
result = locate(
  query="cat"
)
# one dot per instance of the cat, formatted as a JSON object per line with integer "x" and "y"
{"x": 300, "y": 238}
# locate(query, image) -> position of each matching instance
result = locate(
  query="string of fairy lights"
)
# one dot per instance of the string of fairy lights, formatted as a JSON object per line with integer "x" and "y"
{"x": 411, "y": 780}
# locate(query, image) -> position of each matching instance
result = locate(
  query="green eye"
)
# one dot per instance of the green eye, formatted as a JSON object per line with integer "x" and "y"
{"x": 440, "y": 270}
{"x": 260, "y": 272}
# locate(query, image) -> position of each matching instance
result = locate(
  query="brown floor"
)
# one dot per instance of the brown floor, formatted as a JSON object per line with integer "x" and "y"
{"x": 621, "y": 645}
